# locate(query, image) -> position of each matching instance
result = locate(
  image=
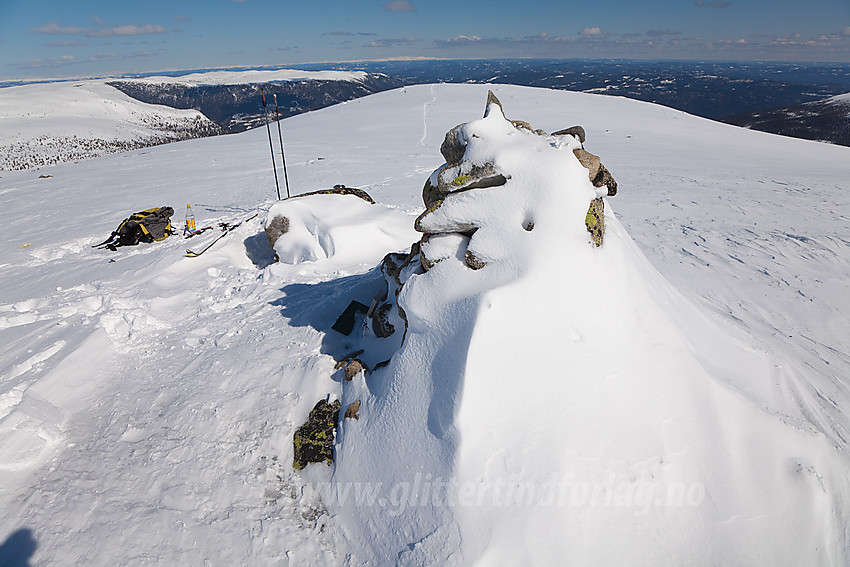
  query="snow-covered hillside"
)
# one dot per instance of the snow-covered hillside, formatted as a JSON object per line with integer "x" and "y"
{"x": 252, "y": 77}
{"x": 49, "y": 123}
{"x": 148, "y": 400}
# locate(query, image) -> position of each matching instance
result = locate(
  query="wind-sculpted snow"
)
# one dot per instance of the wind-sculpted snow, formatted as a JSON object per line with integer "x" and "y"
{"x": 561, "y": 403}
{"x": 148, "y": 401}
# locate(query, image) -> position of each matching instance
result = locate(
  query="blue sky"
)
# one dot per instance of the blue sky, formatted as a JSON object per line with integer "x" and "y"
{"x": 62, "y": 38}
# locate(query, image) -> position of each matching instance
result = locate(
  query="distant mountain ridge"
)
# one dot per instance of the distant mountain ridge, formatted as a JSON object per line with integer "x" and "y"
{"x": 237, "y": 106}
{"x": 823, "y": 120}
{"x": 719, "y": 91}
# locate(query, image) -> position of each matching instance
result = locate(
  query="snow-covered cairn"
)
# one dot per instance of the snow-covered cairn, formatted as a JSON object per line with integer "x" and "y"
{"x": 457, "y": 224}
{"x": 469, "y": 166}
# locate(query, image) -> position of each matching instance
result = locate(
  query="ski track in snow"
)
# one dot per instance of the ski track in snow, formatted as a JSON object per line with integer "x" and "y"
{"x": 156, "y": 395}
{"x": 424, "y": 140}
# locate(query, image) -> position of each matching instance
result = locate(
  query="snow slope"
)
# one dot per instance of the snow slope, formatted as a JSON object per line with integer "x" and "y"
{"x": 147, "y": 405}
{"x": 252, "y": 77}
{"x": 49, "y": 123}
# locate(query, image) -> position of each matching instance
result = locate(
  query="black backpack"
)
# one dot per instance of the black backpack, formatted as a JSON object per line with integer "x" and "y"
{"x": 150, "y": 225}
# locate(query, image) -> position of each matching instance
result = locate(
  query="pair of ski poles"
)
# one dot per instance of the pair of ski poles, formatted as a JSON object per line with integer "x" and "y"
{"x": 271, "y": 147}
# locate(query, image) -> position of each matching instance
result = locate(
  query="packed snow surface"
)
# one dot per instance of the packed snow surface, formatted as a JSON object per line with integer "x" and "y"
{"x": 677, "y": 395}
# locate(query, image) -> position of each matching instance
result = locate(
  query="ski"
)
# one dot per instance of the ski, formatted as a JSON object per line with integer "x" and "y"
{"x": 226, "y": 229}
{"x": 197, "y": 231}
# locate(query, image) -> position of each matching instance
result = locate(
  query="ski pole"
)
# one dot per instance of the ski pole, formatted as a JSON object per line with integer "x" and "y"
{"x": 271, "y": 147}
{"x": 279, "y": 135}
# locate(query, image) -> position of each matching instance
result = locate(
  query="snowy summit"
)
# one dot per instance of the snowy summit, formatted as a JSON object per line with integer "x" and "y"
{"x": 469, "y": 360}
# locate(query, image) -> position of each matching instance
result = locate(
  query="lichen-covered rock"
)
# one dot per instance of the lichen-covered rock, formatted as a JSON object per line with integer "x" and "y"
{"x": 595, "y": 220}
{"x": 466, "y": 175}
{"x": 340, "y": 190}
{"x": 313, "y": 442}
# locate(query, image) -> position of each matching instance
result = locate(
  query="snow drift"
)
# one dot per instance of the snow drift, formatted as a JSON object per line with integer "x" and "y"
{"x": 318, "y": 227}
{"x": 562, "y": 403}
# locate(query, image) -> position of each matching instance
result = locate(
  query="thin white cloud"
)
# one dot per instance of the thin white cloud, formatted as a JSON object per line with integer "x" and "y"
{"x": 594, "y": 31}
{"x": 126, "y": 30}
{"x": 463, "y": 39}
{"x": 53, "y": 28}
{"x": 715, "y": 4}
{"x": 399, "y": 6}
{"x": 74, "y": 43}
{"x": 48, "y": 63}
{"x": 392, "y": 42}
{"x": 660, "y": 33}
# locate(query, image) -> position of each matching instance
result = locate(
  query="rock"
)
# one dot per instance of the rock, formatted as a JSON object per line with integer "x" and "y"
{"x": 351, "y": 411}
{"x": 598, "y": 173}
{"x": 276, "y": 228}
{"x": 575, "y": 131}
{"x": 344, "y": 361}
{"x": 431, "y": 196}
{"x": 446, "y": 225}
{"x": 523, "y": 125}
{"x": 354, "y": 367}
{"x": 349, "y": 318}
{"x": 454, "y": 145}
{"x": 605, "y": 178}
{"x": 381, "y": 325}
{"x": 340, "y": 190}
{"x": 313, "y": 442}
{"x": 465, "y": 175}
{"x": 595, "y": 220}
{"x": 589, "y": 161}
{"x": 473, "y": 261}
{"x": 491, "y": 100}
